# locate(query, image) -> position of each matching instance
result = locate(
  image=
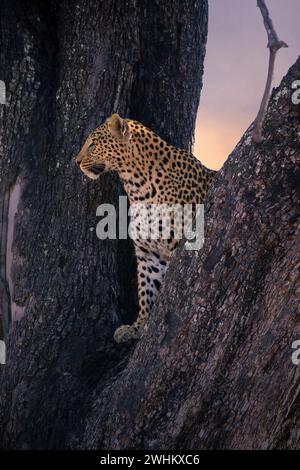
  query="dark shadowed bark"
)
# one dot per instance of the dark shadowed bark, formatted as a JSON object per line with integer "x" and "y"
{"x": 214, "y": 369}
{"x": 67, "y": 66}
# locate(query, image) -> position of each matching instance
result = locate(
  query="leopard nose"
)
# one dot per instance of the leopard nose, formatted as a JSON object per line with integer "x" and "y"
{"x": 78, "y": 159}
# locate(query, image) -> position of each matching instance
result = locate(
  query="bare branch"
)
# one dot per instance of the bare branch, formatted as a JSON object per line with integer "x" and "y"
{"x": 274, "y": 44}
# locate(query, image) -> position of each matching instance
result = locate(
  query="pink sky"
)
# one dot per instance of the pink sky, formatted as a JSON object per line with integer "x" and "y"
{"x": 235, "y": 71}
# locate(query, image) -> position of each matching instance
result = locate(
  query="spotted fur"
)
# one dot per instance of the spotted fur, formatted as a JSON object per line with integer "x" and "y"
{"x": 152, "y": 172}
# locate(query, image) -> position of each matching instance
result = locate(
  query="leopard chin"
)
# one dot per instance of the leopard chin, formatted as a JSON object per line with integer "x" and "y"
{"x": 94, "y": 172}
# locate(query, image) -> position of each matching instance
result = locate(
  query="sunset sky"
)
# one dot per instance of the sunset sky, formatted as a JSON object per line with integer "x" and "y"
{"x": 235, "y": 71}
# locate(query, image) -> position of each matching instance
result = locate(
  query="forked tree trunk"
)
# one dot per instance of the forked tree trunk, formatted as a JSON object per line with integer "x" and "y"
{"x": 67, "y": 66}
{"x": 214, "y": 368}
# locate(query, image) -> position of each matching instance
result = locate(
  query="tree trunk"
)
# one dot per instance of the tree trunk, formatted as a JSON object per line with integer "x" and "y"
{"x": 214, "y": 369}
{"x": 67, "y": 66}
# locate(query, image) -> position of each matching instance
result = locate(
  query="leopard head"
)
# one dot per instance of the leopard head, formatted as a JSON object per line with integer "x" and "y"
{"x": 105, "y": 147}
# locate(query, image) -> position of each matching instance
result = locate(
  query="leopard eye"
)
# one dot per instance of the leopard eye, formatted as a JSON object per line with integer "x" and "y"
{"x": 91, "y": 148}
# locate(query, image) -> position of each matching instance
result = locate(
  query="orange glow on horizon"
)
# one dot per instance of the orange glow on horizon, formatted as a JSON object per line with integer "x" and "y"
{"x": 214, "y": 141}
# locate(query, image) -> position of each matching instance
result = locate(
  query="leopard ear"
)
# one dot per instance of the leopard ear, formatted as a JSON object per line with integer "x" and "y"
{"x": 119, "y": 128}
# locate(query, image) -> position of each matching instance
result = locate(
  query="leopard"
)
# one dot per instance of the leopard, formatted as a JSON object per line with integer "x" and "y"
{"x": 152, "y": 172}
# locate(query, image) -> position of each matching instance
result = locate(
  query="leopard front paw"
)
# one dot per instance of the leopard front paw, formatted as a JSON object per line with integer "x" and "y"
{"x": 125, "y": 333}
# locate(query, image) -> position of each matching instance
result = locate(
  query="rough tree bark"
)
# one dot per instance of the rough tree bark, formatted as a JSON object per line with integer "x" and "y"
{"x": 67, "y": 66}
{"x": 214, "y": 369}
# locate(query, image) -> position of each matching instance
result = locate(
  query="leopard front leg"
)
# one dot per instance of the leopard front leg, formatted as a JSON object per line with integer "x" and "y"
{"x": 151, "y": 271}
